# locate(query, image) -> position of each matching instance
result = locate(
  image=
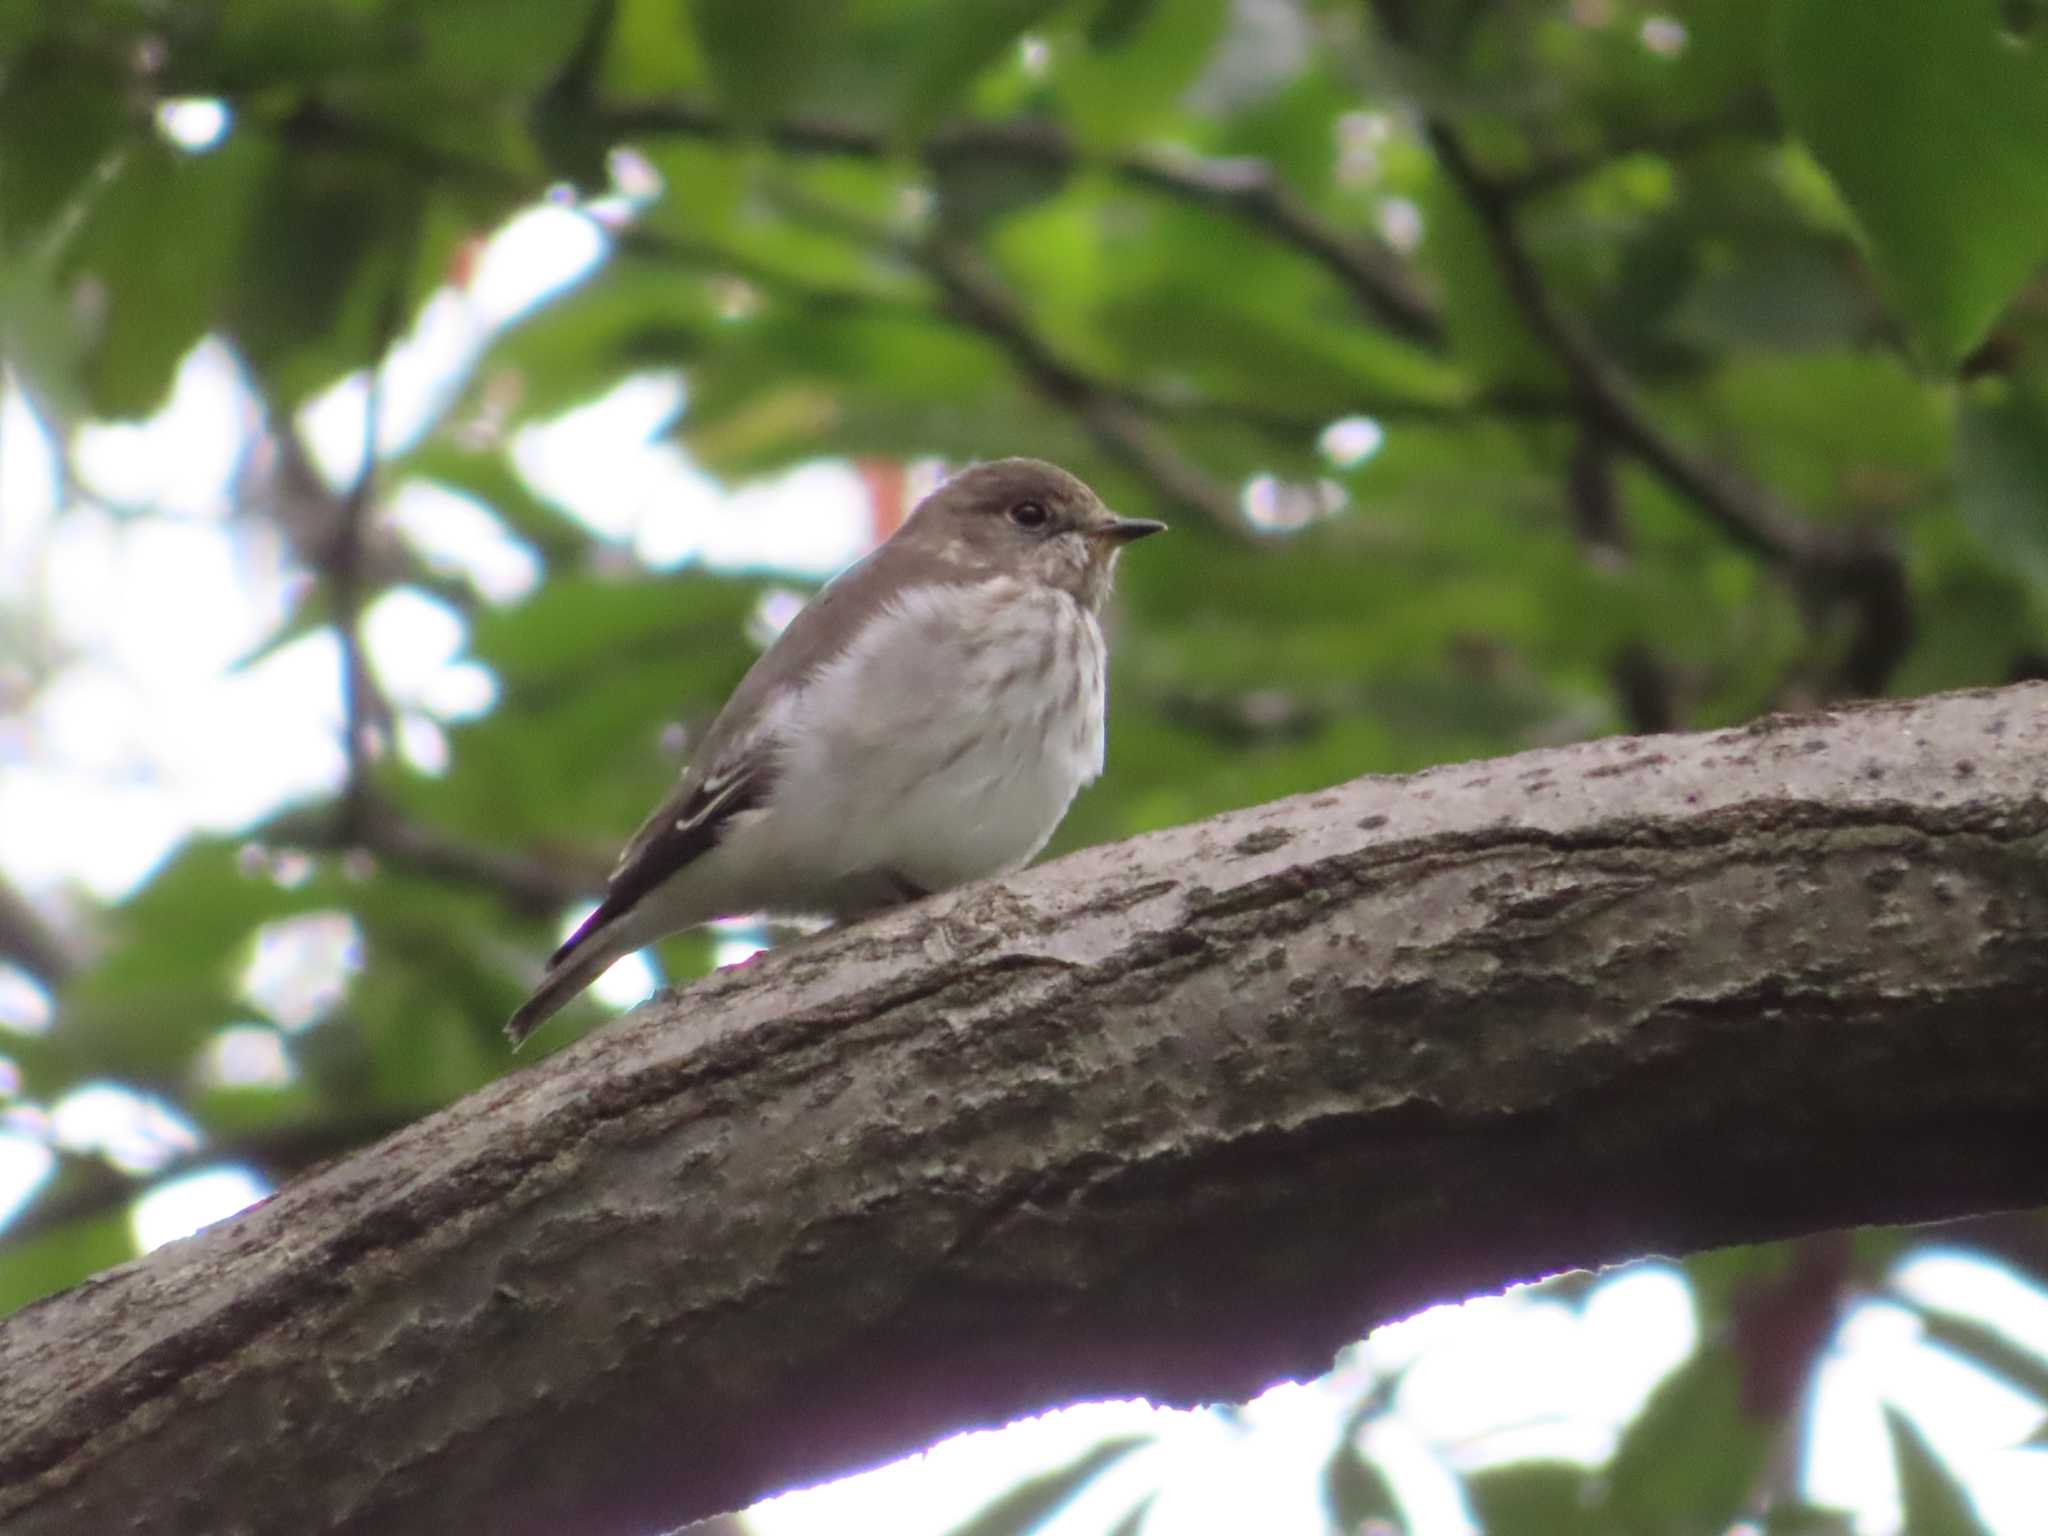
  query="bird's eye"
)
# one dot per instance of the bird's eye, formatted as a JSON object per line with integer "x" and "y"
{"x": 1029, "y": 514}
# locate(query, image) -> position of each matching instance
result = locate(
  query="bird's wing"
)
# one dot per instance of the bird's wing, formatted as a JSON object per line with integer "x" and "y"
{"x": 740, "y": 762}
{"x": 682, "y": 828}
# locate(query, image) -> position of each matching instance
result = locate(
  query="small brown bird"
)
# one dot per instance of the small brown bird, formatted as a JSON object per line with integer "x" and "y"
{"x": 926, "y": 721}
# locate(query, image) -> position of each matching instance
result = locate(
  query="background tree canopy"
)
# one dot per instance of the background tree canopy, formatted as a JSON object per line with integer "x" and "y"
{"x": 1511, "y": 373}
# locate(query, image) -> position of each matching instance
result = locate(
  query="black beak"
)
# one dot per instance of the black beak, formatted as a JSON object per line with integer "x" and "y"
{"x": 1128, "y": 530}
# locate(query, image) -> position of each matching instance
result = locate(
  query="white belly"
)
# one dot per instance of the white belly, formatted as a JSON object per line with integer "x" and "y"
{"x": 945, "y": 746}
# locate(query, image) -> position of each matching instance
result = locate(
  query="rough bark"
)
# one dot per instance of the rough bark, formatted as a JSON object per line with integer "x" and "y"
{"x": 1175, "y": 1117}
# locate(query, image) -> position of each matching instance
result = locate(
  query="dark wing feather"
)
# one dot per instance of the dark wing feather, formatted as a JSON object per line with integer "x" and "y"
{"x": 682, "y": 828}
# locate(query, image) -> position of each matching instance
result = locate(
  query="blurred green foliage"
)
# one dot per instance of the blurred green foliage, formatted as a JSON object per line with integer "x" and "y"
{"x": 1166, "y": 242}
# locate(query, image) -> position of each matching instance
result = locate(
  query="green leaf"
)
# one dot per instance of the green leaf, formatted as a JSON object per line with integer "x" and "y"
{"x": 652, "y": 48}
{"x": 1693, "y": 1459}
{"x": 47, "y": 1264}
{"x": 1134, "y": 62}
{"x": 60, "y": 119}
{"x": 1028, "y": 1505}
{"x": 1934, "y": 1502}
{"x": 961, "y": 41}
{"x": 763, "y": 54}
{"x": 328, "y": 245}
{"x": 1796, "y": 1519}
{"x": 1357, "y": 1491}
{"x": 1934, "y": 125}
{"x": 172, "y": 969}
{"x": 2002, "y": 473}
{"x": 163, "y": 294}
{"x": 1535, "y": 1498}
{"x": 1987, "y": 1347}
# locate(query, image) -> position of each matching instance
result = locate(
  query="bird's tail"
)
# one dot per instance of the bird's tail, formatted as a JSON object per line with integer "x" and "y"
{"x": 573, "y": 967}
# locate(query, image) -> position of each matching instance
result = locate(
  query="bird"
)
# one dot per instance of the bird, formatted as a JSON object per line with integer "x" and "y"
{"x": 925, "y": 721}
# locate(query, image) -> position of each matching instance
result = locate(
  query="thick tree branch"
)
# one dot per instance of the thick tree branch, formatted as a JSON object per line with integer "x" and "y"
{"x": 1177, "y": 1116}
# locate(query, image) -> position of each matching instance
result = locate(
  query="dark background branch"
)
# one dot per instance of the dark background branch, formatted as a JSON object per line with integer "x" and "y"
{"x": 29, "y": 942}
{"x": 1858, "y": 569}
{"x": 1366, "y": 266}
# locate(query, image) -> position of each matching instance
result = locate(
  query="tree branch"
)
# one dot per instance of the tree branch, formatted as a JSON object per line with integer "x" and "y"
{"x": 1175, "y": 1117}
{"x": 979, "y": 300}
{"x": 1826, "y": 564}
{"x": 1749, "y": 117}
{"x": 1369, "y": 271}
{"x": 29, "y": 942}
{"x": 533, "y": 887}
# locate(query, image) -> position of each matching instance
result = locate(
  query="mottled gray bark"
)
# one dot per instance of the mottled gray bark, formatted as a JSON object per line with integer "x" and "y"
{"x": 1175, "y": 1117}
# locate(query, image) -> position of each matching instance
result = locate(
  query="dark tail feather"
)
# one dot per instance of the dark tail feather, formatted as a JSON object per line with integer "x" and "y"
{"x": 573, "y": 968}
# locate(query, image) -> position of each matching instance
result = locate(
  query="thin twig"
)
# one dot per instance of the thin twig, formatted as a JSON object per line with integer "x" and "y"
{"x": 1749, "y": 514}
{"x": 531, "y": 887}
{"x": 344, "y": 572}
{"x": 1749, "y": 118}
{"x": 1831, "y": 566}
{"x": 1369, "y": 270}
{"x": 31, "y": 943}
{"x": 978, "y": 299}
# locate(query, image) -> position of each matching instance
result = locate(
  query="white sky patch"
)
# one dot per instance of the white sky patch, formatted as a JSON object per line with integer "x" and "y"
{"x": 414, "y": 642}
{"x": 813, "y": 520}
{"x": 25, "y": 1005}
{"x": 926, "y": 1494}
{"x": 423, "y": 744}
{"x": 28, "y": 490}
{"x": 416, "y": 383}
{"x": 1477, "y": 1369}
{"x": 1664, "y": 36}
{"x": 600, "y": 463}
{"x": 137, "y": 1133}
{"x": 458, "y": 535}
{"x": 184, "y": 1205}
{"x": 736, "y": 941}
{"x": 24, "y": 1164}
{"x": 608, "y": 466}
{"x": 302, "y": 966}
{"x": 628, "y": 981}
{"x": 1273, "y": 505}
{"x": 1958, "y": 1281}
{"x": 246, "y": 1056}
{"x": 194, "y": 123}
{"x": 1501, "y": 1378}
{"x": 1971, "y": 1419}
{"x": 537, "y": 254}
{"x": 182, "y": 460}
{"x": 164, "y": 596}
{"x": 1350, "y": 441}
{"x": 131, "y": 829}
{"x": 772, "y": 615}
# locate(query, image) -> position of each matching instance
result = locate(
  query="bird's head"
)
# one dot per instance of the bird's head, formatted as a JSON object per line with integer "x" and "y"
{"x": 1028, "y": 519}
